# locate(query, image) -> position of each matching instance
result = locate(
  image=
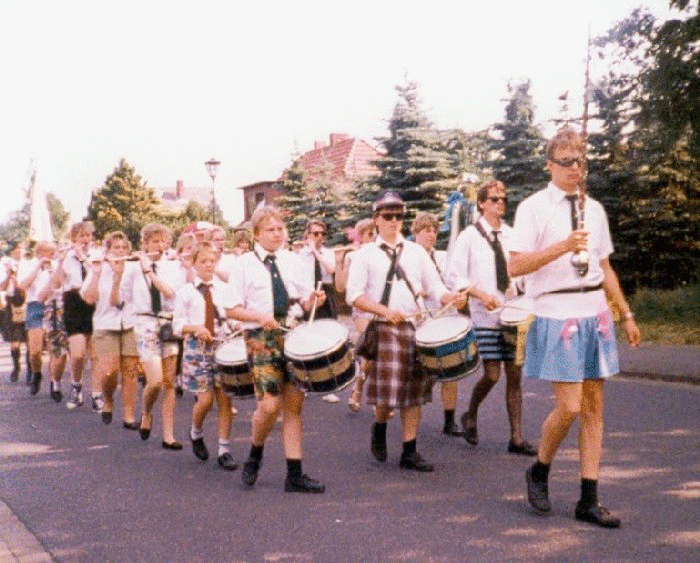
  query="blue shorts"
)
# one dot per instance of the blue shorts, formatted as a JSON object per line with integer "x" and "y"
{"x": 571, "y": 350}
{"x": 35, "y": 315}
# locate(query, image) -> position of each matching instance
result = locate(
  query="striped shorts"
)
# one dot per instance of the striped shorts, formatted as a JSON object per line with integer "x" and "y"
{"x": 493, "y": 346}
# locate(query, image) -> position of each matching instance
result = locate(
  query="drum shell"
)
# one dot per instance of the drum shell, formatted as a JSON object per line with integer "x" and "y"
{"x": 515, "y": 331}
{"x": 234, "y": 375}
{"x": 452, "y": 358}
{"x": 324, "y": 371}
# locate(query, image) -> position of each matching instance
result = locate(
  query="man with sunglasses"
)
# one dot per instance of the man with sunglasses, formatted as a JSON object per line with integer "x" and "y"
{"x": 319, "y": 263}
{"x": 479, "y": 264}
{"x": 571, "y": 342}
{"x": 385, "y": 278}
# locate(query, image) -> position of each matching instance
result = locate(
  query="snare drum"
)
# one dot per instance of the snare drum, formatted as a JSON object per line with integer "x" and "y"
{"x": 447, "y": 347}
{"x": 319, "y": 356}
{"x": 515, "y": 319}
{"x": 232, "y": 368}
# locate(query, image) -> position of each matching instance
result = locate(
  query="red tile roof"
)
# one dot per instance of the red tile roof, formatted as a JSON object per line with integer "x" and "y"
{"x": 344, "y": 157}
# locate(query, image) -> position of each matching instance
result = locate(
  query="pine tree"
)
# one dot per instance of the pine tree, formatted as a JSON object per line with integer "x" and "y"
{"x": 519, "y": 147}
{"x": 123, "y": 203}
{"x": 418, "y": 162}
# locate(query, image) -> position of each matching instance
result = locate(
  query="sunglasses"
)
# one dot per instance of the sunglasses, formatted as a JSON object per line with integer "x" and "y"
{"x": 568, "y": 162}
{"x": 318, "y": 233}
{"x": 496, "y": 199}
{"x": 391, "y": 216}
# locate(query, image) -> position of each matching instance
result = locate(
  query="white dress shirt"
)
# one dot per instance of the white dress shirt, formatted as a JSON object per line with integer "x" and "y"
{"x": 544, "y": 218}
{"x": 252, "y": 285}
{"x": 308, "y": 260}
{"x": 473, "y": 263}
{"x": 106, "y": 316}
{"x": 370, "y": 266}
{"x": 72, "y": 271}
{"x": 189, "y": 303}
{"x": 43, "y": 277}
{"x": 135, "y": 287}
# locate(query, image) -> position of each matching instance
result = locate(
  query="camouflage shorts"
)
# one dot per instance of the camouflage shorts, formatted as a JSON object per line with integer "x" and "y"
{"x": 265, "y": 350}
{"x": 55, "y": 337}
{"x": 198, "y": 368}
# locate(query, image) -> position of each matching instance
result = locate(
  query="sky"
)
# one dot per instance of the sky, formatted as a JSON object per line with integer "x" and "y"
{"x": 170, "y": 84}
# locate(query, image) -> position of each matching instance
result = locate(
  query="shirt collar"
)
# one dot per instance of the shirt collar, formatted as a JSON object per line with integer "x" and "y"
{"x": 379, "y": 241}
{"x": 262, "y": 253}
{"x": 487, "y": 226}
{"x": 199, "y": 281}
{"x": 556, "y": 194}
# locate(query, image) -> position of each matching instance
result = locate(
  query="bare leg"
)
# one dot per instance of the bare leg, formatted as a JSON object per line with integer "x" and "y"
{"x": 292, "y": 427}
{"x": 168, "y": 403}
{"x": 514, "y": 401}
{"x": 590, "y": 436}
{"x": 556, "y": 426}
{"x": 129, "y": 369}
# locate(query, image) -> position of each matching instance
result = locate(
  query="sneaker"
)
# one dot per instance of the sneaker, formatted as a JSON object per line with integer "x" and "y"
{"x": 97, "y": 403}
{"x": 76, "y": 398}
{"x": 331, "y": 398}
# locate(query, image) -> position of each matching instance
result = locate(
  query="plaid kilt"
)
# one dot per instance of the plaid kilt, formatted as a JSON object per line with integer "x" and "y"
{"x": 396, "y": 379}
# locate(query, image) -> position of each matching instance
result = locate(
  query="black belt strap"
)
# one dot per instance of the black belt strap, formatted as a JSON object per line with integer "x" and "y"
{"x": 584, "y": 289}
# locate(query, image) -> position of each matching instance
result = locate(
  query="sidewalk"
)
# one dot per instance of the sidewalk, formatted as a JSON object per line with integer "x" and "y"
{"x": 664, "y": 362}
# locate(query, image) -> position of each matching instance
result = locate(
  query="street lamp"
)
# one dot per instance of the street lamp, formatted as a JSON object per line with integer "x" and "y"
{"x": 212, "y": 167}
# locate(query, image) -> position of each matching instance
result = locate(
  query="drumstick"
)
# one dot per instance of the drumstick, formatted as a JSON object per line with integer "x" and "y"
{"x": 313, "y": 307}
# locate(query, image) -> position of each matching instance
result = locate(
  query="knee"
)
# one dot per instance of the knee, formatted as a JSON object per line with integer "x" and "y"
{"x": 569, "y": 409}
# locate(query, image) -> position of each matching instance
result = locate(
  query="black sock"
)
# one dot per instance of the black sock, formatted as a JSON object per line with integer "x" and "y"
{"x": 409, "y": 448}
{"x": 15, "y": 357}
{"x": 589, "y": 492}
{"x": 379, "y": 431}
{"x": 256, "y": 452}
{"x": 449, "y": 418}
{"x": 540, "y": 471}
{"x": 294, "y": 469}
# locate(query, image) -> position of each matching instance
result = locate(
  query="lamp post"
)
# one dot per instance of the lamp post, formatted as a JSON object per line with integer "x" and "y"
{"x": 212, "y": 167}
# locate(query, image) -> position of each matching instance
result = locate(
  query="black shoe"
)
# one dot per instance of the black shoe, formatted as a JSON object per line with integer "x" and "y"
{"x": 470, "y": 434}
{"x": 378, "y": 447}
{"x": 172, "y": 445}
{"x": 250, "y": 472}
{"x": 57, "y": 395}
{"x": 35, "y": 384}
{"x": 226, "y": 462}
{"x": 179, "y": 392}
{"x": 130, "y": 425}
{"x": 525, "y": 448}
{"x": 537, "y": 493}
{"x": 145, "y": 433}
{"x": 596, "y": 514}
{"x": 107, "y": 417}
{"x": 452, "y": 430}
{"x": 200, "y": 449}
{"x": 303, "y": 484}
{"x": 14, "y": 375}
{"x": 415, "y": 462}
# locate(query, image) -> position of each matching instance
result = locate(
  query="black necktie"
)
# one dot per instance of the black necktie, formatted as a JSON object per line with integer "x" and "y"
{"x": 393, "y": 255}
{"x": 317, "y": 272}
{"x": 83, "y": 271}
{"x": 574, "y": 216}
{"x": 501, "y": 269}
{"x": 209, "y": 314}
{"x": 156, "y": 305}
{"x": 280, "y": 297}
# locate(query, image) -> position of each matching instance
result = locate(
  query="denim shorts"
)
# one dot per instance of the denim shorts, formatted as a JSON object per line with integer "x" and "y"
{"x": 35, "y": 315}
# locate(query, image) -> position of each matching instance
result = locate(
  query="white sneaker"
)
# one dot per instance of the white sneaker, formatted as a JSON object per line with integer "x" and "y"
{"x": 97, "y": 403}
{"x": 331, "y": 398}
{"x": 76, "y": 398}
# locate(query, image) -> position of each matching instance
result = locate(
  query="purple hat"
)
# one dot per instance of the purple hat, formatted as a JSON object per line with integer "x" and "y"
{"x": 388, "y": 199}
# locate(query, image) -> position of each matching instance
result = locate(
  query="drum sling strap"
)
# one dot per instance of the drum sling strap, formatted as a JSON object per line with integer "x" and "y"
{"x": 395, "y": 270}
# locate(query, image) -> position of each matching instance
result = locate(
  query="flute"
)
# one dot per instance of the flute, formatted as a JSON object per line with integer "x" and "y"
{"x": 579, "y": 259}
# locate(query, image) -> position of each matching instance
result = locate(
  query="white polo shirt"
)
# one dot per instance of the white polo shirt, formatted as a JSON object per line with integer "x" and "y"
{"x": 43, "y": 277}
{"x": 544, "y": 218}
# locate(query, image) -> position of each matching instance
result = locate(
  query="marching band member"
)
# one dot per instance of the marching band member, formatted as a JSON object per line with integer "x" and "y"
{"x": 479, "y": 264}
{"x": 198, "y": 310}
{"x": 265, "y": 283}
{"x": 383, "y": 279}
{"x": 424, "y": 229}
{"x": 113, "y": 341}
{"x": 319, "y": 265}
{"x": 14, "y": 330}
{"x": 34, "y": 275}
{"x": 571, "y": 342}
{"x": 77, "y": 314}
{"x": 150, "y": 287}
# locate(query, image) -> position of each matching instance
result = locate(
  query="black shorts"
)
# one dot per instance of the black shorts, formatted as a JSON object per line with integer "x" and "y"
{"x": 77, "y": 315}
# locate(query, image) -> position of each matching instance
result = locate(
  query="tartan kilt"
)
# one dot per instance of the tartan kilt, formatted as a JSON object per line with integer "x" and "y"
{"x": 396, "y": 379}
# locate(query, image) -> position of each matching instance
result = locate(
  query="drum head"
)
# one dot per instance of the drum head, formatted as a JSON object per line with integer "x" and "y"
{"x": 314, "y": 339}
{"x": 231, "y": 353}
{"x": 516, "y": 311}
{"x": 442, "y": 329}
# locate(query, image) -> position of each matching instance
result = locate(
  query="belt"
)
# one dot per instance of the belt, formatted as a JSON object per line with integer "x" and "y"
{"x": 582, "y": 289}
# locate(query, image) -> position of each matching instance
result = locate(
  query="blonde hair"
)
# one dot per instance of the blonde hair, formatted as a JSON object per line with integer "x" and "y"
{"x": 81, "y": 227}
{"x": 263, "y": 214}
{"x": 151, "y": 230}
{"x": 116, "y": 235}
{"x": 423, "y": 220}
{"x": 565, "y": 138}
{"x": 364, "y": 225}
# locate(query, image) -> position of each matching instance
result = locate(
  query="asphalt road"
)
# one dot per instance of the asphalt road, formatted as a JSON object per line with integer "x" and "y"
{"x": 90, "y": 492}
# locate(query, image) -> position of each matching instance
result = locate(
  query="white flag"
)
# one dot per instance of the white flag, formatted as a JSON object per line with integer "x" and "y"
{"x": 39, "y": 218}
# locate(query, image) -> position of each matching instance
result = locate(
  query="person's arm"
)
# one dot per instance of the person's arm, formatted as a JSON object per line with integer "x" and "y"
{"x": 90, "y": 291}
{"x": 522, "y": 263}
{"x": 614, "y": 293}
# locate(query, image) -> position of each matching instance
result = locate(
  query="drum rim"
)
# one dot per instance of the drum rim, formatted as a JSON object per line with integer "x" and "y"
{"x": 526, "y": 314}
{"x": 344, "y": 334}
{"x": 226, "y": 362}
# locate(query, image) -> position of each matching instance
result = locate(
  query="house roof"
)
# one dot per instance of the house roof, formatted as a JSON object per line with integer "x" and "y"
{"x": 344, "y": 157}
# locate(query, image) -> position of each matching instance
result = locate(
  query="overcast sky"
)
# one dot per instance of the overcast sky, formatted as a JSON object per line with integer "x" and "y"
{"x": 169, "y": 84}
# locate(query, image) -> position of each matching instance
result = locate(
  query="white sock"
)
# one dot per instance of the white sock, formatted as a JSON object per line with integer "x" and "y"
{"x": 196, "y": 433}
{"x": 223, "y": 447}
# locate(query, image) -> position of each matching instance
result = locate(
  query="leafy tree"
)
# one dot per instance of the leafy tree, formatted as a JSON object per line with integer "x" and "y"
{"x": 123, "y": 203}
{"x": 519, "y": 147}
{"x": 59, "y": 215}
{"x": 17, "y": 226}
